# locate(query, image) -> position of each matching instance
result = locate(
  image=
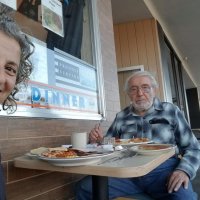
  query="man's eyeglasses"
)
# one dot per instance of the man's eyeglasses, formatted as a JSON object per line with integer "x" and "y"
{"x": 143, "y": 88}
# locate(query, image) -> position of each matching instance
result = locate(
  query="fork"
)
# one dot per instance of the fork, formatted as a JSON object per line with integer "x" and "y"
{"x": 126, "y": 153}
{"x": 98, "y": 126}
{"x": 100, "y": 122}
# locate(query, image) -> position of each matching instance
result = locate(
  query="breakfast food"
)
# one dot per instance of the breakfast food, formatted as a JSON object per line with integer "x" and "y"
{"x": 120, "y": 141}
{"x": 153, "y": 147}
{"x": 132, "y": 140}
{"x": 60, "y": 152}
{"x": 138, "y": 140}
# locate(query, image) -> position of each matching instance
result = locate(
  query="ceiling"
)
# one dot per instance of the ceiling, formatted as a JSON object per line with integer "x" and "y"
{"x": 180, "y": 21}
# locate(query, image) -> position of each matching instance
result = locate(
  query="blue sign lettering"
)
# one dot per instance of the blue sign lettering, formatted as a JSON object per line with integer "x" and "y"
{"x": 36, "y": 95}
{"x": 56, "y": 98}
{"x": 74, "y": 101}
{"x": 66, "y": 100}
{"x": 81, "y": 102}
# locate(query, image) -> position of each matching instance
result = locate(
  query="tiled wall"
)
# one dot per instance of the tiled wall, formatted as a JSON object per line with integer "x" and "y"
{"x": 18, "y": 136}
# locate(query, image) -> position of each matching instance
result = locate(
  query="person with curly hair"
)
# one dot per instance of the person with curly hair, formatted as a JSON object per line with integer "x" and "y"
{"x": 15, "y": 66}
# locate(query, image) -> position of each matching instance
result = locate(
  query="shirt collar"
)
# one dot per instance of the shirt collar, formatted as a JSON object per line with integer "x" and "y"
{"x": 157, "y": 104}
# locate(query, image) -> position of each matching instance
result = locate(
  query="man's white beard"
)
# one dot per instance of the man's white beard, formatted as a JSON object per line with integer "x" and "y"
{"x": 143, "y": 106}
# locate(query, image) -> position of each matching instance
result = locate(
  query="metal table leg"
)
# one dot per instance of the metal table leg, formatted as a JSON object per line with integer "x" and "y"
{"x": 100, "y": 188}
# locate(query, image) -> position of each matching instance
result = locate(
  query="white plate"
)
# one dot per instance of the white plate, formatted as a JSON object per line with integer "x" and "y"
{"x": 31, "y": 155}
{"x": 125, "y": 142}
{"x": 78, "y": 161}
{"x": 159, "y": 148}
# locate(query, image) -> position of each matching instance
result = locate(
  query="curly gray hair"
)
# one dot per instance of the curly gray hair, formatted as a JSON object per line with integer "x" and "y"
{"x": 11, "y": 29}
{"x": 138, "y": 74}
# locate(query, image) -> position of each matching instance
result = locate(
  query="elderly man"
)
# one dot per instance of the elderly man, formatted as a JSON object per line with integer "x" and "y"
{"x": 161, "y": 122}
{"x": 15, "y": 66}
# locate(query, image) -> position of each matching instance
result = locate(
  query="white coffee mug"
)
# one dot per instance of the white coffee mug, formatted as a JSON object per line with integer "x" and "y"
{"x": 79, "y": 140}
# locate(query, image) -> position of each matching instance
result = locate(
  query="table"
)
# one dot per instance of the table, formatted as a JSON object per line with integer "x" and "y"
{"x": 116, "y": 165}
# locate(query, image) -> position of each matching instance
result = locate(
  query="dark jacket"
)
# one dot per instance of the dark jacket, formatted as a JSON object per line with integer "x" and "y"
{"x": 2, "y": 183}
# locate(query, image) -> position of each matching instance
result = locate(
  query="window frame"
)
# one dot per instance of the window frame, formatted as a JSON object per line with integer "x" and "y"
{"x": 97, "y": 65}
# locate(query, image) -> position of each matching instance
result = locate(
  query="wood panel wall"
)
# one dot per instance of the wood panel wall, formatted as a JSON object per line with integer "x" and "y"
{"x": 136, "y": 43}
{"x": 19, "y": 135}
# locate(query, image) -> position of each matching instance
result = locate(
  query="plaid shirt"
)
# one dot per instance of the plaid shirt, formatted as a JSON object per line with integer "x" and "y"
{"x": 163, "y": 123}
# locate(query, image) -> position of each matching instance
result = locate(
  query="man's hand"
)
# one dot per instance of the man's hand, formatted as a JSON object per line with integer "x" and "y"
{"x": 96, "y": 135}
{"x": 177, "y": 179}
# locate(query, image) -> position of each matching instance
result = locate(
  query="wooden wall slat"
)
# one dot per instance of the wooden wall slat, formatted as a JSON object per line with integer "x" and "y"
{"x": 117, "y": 46}
{"x": 132, "y": 44}
{"x": 124, "y": 45}
{"x": 150, "y": 48}
{"x": 141, "y": 43}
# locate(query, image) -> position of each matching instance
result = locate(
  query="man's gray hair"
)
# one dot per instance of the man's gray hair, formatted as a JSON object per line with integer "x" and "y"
{"x": 154, "y": 83}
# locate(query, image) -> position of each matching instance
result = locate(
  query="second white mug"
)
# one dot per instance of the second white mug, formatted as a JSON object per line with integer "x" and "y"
{"x": 79, "y": 140}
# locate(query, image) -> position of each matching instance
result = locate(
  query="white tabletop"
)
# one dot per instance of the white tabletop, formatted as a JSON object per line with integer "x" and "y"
{"x": 115, "y": 165}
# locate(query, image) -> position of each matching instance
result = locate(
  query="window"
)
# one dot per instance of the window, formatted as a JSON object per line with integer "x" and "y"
{"x": 66, "y": 79}
{"x": 172, "y": 74}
